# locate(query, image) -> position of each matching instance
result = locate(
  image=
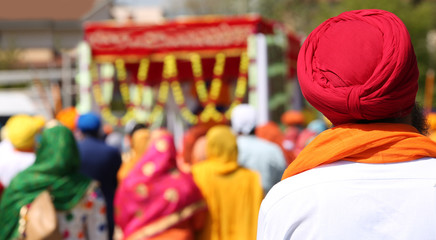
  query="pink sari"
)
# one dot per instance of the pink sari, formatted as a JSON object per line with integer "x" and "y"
{"x": 155, "y": 196}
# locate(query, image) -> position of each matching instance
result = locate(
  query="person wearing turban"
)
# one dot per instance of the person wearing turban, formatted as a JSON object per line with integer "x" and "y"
{"x": 18, "y": 148}
{"x": 372, "y": 175}
{"x": 255, "y": 153}
{"x": 99, "y": 161}
{"x": 271, "y": 132}
{"x": 68, "y": 117}
{"x": 294, "y": 122}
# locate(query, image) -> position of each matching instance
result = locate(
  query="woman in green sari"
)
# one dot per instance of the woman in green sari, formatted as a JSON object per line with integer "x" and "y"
{"x": 56, "y": 169}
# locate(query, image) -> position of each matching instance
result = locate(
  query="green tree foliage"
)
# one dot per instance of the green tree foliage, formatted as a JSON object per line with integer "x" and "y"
{"x": 222, "y": 7}
{"x": 304, "y": 15}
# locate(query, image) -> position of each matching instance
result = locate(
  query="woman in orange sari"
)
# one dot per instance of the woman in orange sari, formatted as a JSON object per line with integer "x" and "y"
{"x": 139, "y": 144}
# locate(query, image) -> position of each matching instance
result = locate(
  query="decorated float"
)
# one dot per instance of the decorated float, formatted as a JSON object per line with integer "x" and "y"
{"x": 186, "y": 71}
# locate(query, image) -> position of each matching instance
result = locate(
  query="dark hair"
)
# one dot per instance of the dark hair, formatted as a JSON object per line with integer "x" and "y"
{"x": 136, "y": 128}
{"x": 418, "y": 120}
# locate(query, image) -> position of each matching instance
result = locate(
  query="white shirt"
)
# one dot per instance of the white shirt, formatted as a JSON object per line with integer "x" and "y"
{"x": 346, "y": 200}
{"x": 12, "y": 162}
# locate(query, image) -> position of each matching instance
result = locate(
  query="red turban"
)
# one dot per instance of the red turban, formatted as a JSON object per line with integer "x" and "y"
{"x": 359, "y": 65}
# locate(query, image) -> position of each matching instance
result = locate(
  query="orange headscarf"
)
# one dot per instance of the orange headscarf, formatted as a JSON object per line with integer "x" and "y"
{"x": 271, "y": 132}
{"x": 68, "y": 117}
{"x": 140, "y": 142}
{"x": 364, "y": 143}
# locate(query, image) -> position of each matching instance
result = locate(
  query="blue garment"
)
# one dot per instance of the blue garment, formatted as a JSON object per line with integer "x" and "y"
{"x": 101, "y": 162}
{"x": 89, "y": 122}
{"x": 262, "y": 156}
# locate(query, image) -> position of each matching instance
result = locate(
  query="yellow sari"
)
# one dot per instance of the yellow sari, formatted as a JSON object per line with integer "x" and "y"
{"x": 233, "y": 194}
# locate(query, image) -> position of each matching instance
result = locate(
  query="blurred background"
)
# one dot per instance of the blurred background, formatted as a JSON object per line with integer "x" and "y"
{"x": 39, "y": 39}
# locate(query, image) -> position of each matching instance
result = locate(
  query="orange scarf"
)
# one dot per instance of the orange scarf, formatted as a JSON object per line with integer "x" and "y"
{"x": 363, "y": 143}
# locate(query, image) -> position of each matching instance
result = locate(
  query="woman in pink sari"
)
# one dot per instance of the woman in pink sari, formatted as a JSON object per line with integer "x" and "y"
{"x": 156, "y": 200}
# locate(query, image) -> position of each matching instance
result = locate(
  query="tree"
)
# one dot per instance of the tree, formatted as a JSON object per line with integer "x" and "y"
{"x": 223, "y": 7}
{"x": 305, "y": 15}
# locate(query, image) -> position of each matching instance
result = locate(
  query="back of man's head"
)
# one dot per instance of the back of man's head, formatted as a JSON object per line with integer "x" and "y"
{"x": 359, "y": 66}
{"x": 21, "y": 131}
{"x": 89, "y": 124}
{"x": 244, "y": 119}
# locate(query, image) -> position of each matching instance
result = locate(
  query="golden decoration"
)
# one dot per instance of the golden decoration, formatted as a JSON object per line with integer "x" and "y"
{"x": 165, "y": 222}
{"x": 141, "y": 190}
{"x": 162, "y": 146}
{"x": 171, "y": 195}
{"x": 148, "y": 169}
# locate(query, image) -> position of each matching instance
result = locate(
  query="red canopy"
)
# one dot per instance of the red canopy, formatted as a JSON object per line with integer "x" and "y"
{"x": 189, "y": 34}
{"x": 204, "y": 35}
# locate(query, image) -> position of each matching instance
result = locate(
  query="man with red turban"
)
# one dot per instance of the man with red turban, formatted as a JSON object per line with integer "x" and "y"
{"x": 371, "y": 176}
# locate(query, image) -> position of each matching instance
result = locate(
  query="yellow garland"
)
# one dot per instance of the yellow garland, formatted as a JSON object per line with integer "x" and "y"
{"x": 209, "y": 112}
{"x": 210, "y": 99}
{"x": 162, "y": 98}
{"x": 170, "y": 71}
{"x": 163, "y": 91}
{"x": 241, "y": 84}
{"x": 124, "y": 89}
{"x": 218, "y": 71}
{"x": 198, "y": 74}
{"x": 144, "y": 66}
{"x": 200, "y": 84}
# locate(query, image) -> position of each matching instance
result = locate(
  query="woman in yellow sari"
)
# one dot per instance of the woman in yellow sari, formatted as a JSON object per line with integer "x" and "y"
{"x": 233, "y": 194}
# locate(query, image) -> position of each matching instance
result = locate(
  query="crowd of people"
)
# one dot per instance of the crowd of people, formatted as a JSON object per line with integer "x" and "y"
{"x": 137, "y": 185}
{"x": 370, "y": 176}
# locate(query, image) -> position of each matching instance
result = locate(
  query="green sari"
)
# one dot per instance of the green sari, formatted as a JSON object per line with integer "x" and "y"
{"x": 55, "y": 168}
